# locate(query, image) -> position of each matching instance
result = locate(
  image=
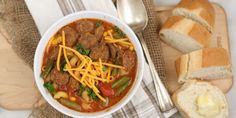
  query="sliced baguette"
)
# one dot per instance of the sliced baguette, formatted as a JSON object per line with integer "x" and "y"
{"x": 184, "y": 34}
{"x": 200, "y": 11}
{"x": 206, "y": 64}
{"x": 185, "y": 99}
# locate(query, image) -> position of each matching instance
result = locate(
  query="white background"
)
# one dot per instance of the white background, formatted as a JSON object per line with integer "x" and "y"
{"x": 230, "y": 9}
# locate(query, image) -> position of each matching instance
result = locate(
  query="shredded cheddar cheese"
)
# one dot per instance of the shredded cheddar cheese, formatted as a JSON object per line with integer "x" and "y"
{"x": 99, "y": 96}
{"x": 108, "y": 64}
{"x": 73, "y": 75}
{"x": 53, "y": 41}
{"x": 85, "y": 70}
{"x": 64, "y": 50}
{"x": 74, "y": 51}
{"x": 108, "y": 74}
{"x": 110, "y": 33}
{"x": 49, "y": 44}
{"x": 123, "y": 41}
{"x": 110, "y": 40}
{"x": 100, "y": 64}
{"x": 95, "y": 89}
{"x": 58, "y": 59}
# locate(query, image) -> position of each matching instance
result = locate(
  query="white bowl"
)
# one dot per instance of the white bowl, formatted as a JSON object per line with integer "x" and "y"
{"x": 38, "y": 59}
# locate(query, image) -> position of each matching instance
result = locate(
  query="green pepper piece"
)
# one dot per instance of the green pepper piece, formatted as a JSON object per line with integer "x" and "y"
{"x": 120, "y": 82}
{"x": 98, "y": 23}
{"x": 122, "y": 88}
{"x": 70, "y": 104}
{"x": 48, "y": 69}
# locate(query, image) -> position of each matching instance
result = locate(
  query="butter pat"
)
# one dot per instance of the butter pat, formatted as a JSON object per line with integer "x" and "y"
{"x": 207, "y": 106}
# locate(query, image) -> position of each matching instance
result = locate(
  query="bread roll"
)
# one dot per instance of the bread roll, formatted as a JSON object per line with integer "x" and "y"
{"x": 201, "y": 100}
{"x": 184, "y": 34}
{"x": 206, "y": 64}
{"x": 200, "y": 11}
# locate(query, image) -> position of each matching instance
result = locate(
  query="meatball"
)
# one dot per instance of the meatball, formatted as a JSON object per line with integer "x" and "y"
{"x": 113, "y": 51}
{"x": 88, "y": 40}
{"x": 100, "y": 51}
{"x": 128, "y": 59}
{"x": 59, "y": 77}
{"x": 74, "y": 84}
{"x": 71, "y": 36}
{"x": 99, "y": 32}
{"x": 85, "y": 26}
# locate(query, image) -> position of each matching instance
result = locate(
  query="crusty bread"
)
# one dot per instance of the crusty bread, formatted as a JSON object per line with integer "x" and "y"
{"x": 184, "y": 34}
{"x": 206, "y": 64}
{"x": 200, "y": 11}
{"x": 185, "y": 99}
{"x": 223, "y": 84}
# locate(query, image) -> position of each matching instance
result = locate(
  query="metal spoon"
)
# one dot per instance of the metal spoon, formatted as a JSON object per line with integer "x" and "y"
{"x": 133, "y": 13}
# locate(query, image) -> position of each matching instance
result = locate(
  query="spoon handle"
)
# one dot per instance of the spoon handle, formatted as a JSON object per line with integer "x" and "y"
{"x": 163, "y": 96}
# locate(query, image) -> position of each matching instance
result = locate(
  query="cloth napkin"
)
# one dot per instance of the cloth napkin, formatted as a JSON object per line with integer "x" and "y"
{"x": 46, "y": 12}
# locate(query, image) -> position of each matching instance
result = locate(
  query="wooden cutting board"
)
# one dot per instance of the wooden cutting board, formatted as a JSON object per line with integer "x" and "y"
{"x": 219, "y": 39}
{"x": 17, "y": 88}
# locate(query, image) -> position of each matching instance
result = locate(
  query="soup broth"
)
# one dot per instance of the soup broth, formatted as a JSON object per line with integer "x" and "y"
{"x": 89, "y": 65}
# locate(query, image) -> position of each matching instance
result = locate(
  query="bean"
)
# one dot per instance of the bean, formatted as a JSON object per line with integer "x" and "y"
{"x": 122, "y": 88}
{"x": 70, "y": 104}
{"x": 48, "y": 69}
{"x": 120, "y": 82}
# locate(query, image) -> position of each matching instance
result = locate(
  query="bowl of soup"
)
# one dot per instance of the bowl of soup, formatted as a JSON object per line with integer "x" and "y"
{"x": 88, "y": 64}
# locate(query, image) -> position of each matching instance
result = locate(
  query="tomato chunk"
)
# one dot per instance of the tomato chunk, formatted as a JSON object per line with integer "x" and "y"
{"x": 106, "y": 89}
{"x": 95, "y": 104}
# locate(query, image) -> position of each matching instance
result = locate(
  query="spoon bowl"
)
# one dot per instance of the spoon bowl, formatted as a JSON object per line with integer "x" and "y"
{"x": 126, "y": 10}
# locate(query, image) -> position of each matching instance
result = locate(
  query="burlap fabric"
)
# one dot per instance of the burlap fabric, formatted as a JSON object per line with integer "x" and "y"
{"x": 24, "y": 36}
{"x": 153, "y": 40}
{"x": 19, "y": 25}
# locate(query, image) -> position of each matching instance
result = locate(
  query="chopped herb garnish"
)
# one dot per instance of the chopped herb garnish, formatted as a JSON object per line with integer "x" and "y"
{"x": 81, "y": 89}
{"x": 104, "y": 68}
{"x": 89, "y": 91}
{"x": 49, "y": 87}
{"x": 98, "y": 23}
{"x": 86, "y": 52}
{"x": 118, "y": 33}
{"x": 91, "y": 94}
{"x": 114, "y": 71}
{"x": 82, "y": 50}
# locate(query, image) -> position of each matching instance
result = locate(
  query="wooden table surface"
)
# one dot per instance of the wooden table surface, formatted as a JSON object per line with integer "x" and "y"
{"x": 17, "y": 88}
{"x": 230, "y": 9}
